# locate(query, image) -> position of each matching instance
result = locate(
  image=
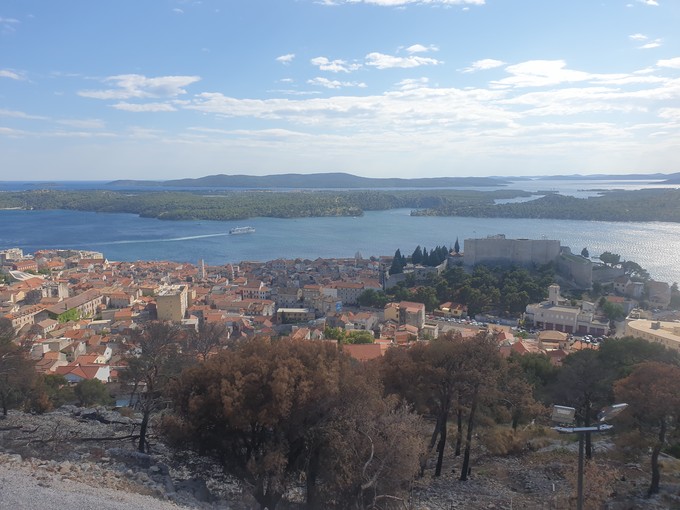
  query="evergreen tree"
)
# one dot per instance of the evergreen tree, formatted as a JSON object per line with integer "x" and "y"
{"x": 397, "y": 263}
{"x": 610, "y": 259}
{"x": 273, "y": 412}
{"x": 456, "y": 247}
{"x": 417, "y": 256}
{"x": 443, "y": 253}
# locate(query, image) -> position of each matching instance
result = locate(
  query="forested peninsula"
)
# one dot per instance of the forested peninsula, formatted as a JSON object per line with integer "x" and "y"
{"x": 640, "y": 205}
{"x": 331, "y": 180}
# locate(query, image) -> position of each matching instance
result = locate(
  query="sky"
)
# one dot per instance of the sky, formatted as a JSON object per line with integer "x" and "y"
{"x": 165, "y": 89}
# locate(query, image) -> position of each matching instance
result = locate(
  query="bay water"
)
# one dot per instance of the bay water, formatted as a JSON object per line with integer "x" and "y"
{"x": 127, "y": 237}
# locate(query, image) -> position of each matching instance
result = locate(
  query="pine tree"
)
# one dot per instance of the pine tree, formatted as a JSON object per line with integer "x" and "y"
{"x": 397, "y": 263}
{"x": 417, "y": 256}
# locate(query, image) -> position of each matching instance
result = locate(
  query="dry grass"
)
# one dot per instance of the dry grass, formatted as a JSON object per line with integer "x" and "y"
{"x": 503, "y": 441}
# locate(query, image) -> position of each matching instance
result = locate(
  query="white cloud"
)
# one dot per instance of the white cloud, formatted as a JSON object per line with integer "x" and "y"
{"x": 289, "y": 92}
{"x": 334, "y": 66}
{"x": 137, "y": 132}
{"x": 483, "y": 65}
{"x": 148, "y": 107}
{"x": 673, "y": 63}
{"x": 335, "y": 84}
{"x": 4, "y": 131}
{"x": 652, "y": 44}
{"x": 178, "y": 10}
{"x": 83, "y": 123}
{"x": 419, "y": 111}
{"x": 626, "y": 79}
{"x": 534, "y": 108}
{"x": 286, "y": 59}
{"x": 574, "y": 101}
{"x": 411, "y": 108}
{"x": 138, "y": 87}
{"x": 382, "y": 61}
{"x": 8, "y": 25}
{"x": 419, "y": 48}
{"x": 540, "y": 73}
{"x": 670, "y": 114}
{"x": 400, "y": 3}
{"x": 410, "y": 84}
{"x": 6, "y": 73}
{"x": 637, "y": 37}
{"x": 653, "y": 3}
{"x": 20, "y": 115}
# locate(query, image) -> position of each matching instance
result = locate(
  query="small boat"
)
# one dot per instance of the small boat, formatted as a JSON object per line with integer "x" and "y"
{"x": 241, "y": 230}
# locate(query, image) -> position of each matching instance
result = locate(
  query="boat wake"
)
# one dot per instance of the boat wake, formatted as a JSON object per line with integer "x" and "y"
{"x": 169, "y": 240}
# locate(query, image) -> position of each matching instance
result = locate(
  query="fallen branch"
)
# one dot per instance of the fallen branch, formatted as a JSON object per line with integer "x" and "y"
{"x": 112, "y": 438}
{"x": 52, "y": 439}
{"x": 16, "y": 427}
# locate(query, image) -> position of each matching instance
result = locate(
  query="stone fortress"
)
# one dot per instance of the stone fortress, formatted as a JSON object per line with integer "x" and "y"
{"x": 498, "y": 250}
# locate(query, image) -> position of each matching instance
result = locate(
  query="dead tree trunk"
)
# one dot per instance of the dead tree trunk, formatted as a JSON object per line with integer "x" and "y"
{"x": 468, "y": 439}
{"x": 459, "y": 431}
{"x": 656, "y": 475}
{"x": 441, "y": 446}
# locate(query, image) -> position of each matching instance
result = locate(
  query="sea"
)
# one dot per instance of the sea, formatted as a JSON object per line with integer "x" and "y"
{"x": 127, "y": 237}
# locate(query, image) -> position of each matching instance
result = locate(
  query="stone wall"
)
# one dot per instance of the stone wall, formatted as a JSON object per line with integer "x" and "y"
{"x": 499, "y": 250}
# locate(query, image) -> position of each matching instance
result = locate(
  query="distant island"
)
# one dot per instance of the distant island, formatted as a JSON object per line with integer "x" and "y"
{"x": 316, "y": 181}
{"x": 639, "y": 205}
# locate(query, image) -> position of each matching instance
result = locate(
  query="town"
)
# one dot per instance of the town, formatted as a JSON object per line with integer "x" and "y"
{"x": 76, "y": 311}
{"x": 138, "y": 345}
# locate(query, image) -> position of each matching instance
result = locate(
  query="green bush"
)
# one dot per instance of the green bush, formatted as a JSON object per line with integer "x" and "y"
{"x": 92, "y": 392}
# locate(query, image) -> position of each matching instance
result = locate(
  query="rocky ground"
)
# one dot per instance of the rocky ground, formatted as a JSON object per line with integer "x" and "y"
{"x": 61, "y": 459}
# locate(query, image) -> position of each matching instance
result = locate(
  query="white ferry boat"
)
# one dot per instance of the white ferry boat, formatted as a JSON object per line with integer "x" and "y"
{"x": 241, "y": 230}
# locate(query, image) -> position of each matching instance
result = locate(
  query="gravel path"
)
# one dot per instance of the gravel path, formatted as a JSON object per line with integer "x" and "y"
{"x": 23, "y": 487}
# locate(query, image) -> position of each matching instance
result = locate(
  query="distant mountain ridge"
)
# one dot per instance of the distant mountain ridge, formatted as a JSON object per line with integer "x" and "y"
{"x": 663, "y": 178}
{"x": 317, "y": 180}
{"x": 672, "y": 179}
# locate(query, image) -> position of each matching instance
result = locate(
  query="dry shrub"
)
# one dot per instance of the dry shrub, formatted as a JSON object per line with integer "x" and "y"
{"x": 173, "y": 429}
{"x": 127, "y": 412}
{"x": 669, "y": 465}
{"x": 599, "y": 481}
{"x": 504, "y": 441}
{"x": 536, "y": 443}
{"x": 39, "y": 403}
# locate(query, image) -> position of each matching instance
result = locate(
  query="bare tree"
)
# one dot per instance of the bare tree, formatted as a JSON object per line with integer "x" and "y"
{"x": 16, "y": 371}
{"x": 208, "y": 337}
{"x": 154, "y": 362}
{"x": 480, "y": 366}
{"x": 653, "y": 392}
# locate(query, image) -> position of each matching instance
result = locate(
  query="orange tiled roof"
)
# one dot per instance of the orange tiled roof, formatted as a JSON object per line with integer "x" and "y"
{"x": 363, "y": 352}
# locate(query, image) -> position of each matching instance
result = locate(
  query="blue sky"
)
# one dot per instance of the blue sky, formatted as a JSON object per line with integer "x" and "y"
{"x": 162, "y": 89}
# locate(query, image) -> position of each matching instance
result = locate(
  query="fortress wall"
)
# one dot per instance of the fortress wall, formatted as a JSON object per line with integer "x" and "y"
{"x": 578, "y": 269}
{"x": 510, "y": 251}
{"x": 545, "y": 251}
